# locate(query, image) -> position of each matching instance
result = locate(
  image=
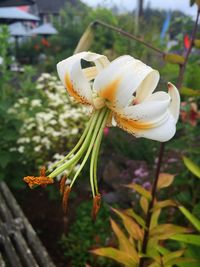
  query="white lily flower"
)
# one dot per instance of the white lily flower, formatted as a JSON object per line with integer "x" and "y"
{"x": 125, "y": 86}
{"x": 120, "y": 93}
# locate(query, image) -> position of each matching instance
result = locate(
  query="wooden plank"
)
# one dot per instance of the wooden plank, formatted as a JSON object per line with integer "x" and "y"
{"x": 2, "y": 262}
{"x": 23, "y": 250}
{"x": 33, "y": 241}
{"x": 5, "y": 214}
{"x": 10, "y": 253}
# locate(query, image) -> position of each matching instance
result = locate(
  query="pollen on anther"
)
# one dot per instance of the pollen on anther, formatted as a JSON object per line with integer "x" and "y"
{"x": 96, "y": 206}
{"x": 65, "y": 198}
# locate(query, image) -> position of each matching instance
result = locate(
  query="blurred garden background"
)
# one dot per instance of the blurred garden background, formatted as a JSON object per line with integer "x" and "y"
{"x": 40, "y": 123}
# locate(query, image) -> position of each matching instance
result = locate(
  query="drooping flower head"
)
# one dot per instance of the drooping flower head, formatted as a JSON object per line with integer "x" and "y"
{"x": 121, "y": 93}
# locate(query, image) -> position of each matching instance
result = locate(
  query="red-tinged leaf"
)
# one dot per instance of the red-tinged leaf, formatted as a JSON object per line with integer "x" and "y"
{"x": 194, "y": 221}
{"x": 116, "y": 255}
{"x": 135, "y": 216}
{"x": 124, "y": 244}
{"x": 165, "y": 180}
{"x": 141, "y": 190}
{"x": 165, "y": 231}
{"x": 187, "y": 238}
{"x": 173, "y": 255}
{"x": 131, "y": 226}
{"x": 144, "y": 204}
{"x": 164, "y": 204}
{"x": 174, "y": 59}
{"x": 192, "y": 166}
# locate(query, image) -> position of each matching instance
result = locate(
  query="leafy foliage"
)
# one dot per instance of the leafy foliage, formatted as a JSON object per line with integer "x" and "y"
{"x": 85, "y": 235}
{"x": 129, "y": 251}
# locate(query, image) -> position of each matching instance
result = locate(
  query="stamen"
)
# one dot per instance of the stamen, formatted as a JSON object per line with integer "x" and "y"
{"x": 62, "y": 184}
{"x": 81, "y": 151}
{"x": 94, "y": 157}
{"x": 95, "y": 133}
{"x": 65, "y": 198}
{"x": 76, "y": 146}
{"x": 41, "y": 180}
{"x": 43, "y": 171}
{"x": 96, "y": 206}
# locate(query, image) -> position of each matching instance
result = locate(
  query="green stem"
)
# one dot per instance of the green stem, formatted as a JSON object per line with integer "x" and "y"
{"x": 94, "y": 136}
{"x": 76, "y": 146}
{"x": 94, "y": 157}
{"x": 81, "y": 150}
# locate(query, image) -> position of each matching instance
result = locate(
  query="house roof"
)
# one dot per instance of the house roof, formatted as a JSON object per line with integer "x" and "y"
{"x": 53, "y": 6}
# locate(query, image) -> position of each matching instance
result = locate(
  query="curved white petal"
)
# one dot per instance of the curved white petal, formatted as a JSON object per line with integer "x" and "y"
{"x": 161, "y": 131}
{"x": 75, "y": 79}
{"x": 175, "y": 101}
{"x": 119, "y": 80}
{"x": 147, "y": 86}
{"x": 150, "y": 110}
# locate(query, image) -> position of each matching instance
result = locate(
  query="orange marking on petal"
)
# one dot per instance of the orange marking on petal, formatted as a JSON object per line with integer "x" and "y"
{"x": 109, "y": 92}
{"x": 132, "y": 126}
{"x": 72, "y": 91}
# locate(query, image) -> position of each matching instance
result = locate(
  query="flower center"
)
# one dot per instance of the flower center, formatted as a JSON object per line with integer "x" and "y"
{"x": 87, "y": 146}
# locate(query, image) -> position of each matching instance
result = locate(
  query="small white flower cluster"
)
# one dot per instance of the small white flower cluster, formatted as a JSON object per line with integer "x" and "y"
{"x": 51, "y": 121}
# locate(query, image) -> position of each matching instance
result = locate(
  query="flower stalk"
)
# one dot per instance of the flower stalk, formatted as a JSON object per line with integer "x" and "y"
{"x": 162, "y": 148}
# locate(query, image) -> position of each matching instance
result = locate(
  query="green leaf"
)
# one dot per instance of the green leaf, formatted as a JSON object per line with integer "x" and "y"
{"x": 116, "y": 255}
{"x": 197, "y": 43}
{"x": 194, "y": 221}
{"x": 154, "y": 219}
{"x": 187, "y": 238}
{"x": 164, "y": 231}
{"x": 192, "y": 2}
{"x": 189, "y": 92}
{"x": 179, "y": 261}
{"x": 144, "y": 204}
{"x": 124, "y": 243}
{"x": 172, "y": 256}
{"x": 141, "y": 190}
{"x": 165, "y": 180}
{"x": 164, "y": 204}
{"x": 192, "y": 166}
{"x": 131, "y": 226}
{"x": 174, "y": 59}
{"x": 162, "y": 250}
{"x": 135, "y": 216}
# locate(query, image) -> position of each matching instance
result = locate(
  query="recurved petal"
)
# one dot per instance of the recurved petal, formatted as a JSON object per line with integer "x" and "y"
{"x": 151, "y": 110}
{"x": 148, "y": 85}
{"x": 162, "y": 131}
{"x": 118, "y": 82}
{"x": 175, "y": 101}
{"x": 76, "y": 79}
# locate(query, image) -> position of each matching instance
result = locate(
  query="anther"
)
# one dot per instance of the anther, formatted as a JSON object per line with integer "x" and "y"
{"x": 62, "y": 184}
{"x": 65, "y": 198}
{"x": 96, "y": 206}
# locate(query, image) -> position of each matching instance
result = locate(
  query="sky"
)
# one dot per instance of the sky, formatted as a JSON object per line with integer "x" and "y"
{"x": 129, "y": 5}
